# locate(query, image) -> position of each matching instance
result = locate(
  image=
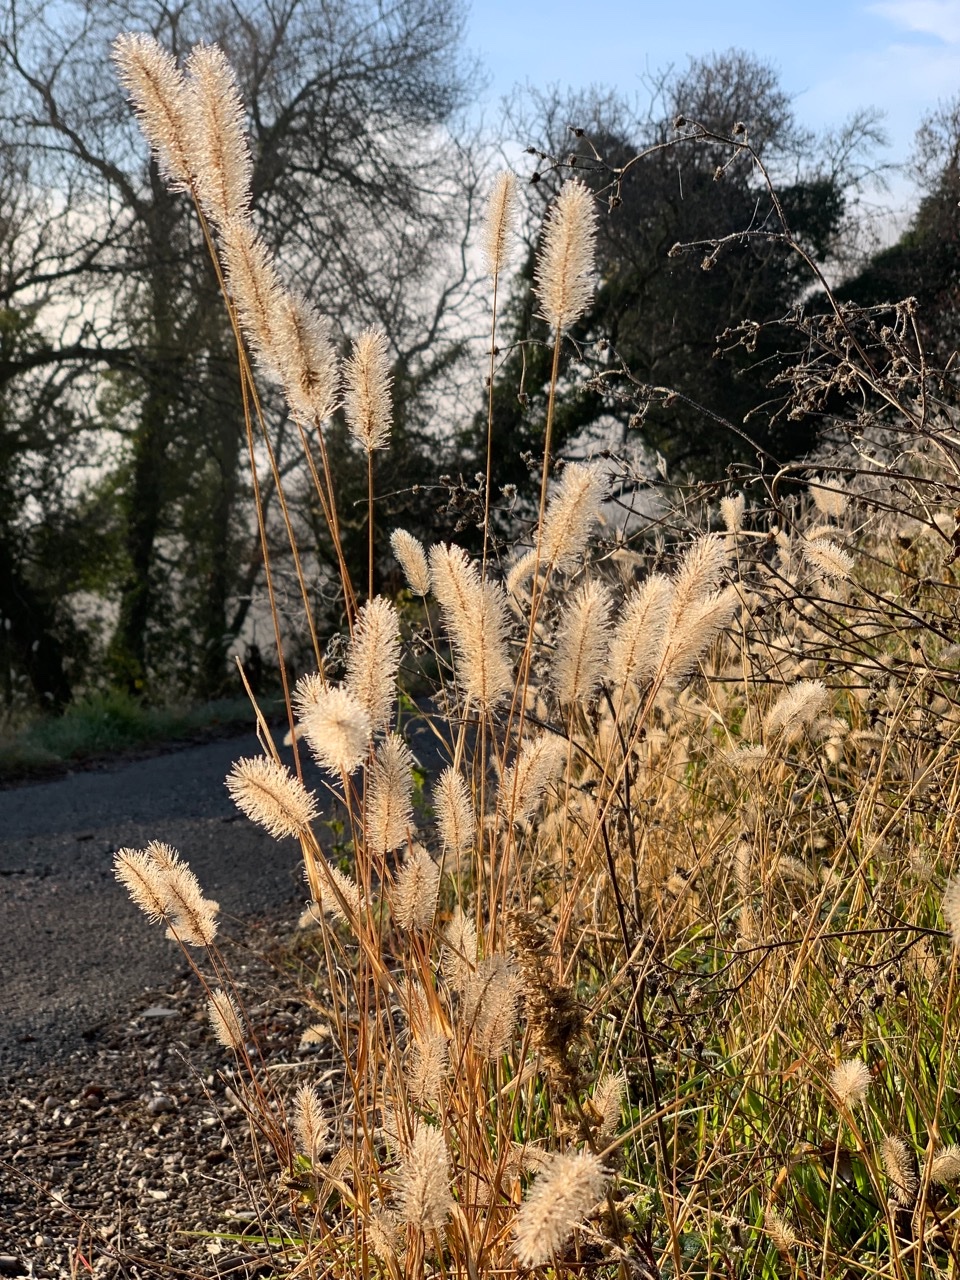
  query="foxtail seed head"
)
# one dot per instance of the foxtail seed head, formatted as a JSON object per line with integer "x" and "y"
{"x": 565, "y": 266}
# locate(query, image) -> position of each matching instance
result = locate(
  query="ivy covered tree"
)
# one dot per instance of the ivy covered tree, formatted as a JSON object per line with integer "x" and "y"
{"x": 690, "y": 245}
{"x": 924, "y": 263}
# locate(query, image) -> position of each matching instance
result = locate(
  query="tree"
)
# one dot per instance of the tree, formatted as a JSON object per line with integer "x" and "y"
{"x": 42, "y": 439}
{"x": 679, "y": 176}
{"x": 924, "y": 263}
{"x": 355, "y": 173}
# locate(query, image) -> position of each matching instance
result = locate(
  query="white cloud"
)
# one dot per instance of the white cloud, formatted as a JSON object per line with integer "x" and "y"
{"x": 939, "y": 18}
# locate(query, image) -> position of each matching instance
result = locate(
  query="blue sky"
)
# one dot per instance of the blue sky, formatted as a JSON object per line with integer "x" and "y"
{"x": 833, "y": 55}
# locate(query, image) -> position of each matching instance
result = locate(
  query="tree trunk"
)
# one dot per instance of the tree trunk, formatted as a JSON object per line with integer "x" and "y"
{"x": 148, "y": 490}
{"x": 221, "y": 578}
{"x": 29, "y": 622}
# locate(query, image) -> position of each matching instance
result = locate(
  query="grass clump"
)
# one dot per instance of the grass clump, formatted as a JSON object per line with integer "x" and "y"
{"x": 111, "y": 723}
{"x": 663, "y": 979}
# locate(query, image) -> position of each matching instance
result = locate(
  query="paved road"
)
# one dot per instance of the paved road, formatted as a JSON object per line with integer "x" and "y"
{"x": 74, "y": 951}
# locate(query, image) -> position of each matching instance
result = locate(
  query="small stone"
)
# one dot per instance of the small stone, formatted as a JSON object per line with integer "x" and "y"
{"x": 160, "y": 1104}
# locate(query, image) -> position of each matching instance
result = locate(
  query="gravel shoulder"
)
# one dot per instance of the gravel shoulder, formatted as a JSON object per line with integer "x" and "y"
{"x": 131, "y": 1158}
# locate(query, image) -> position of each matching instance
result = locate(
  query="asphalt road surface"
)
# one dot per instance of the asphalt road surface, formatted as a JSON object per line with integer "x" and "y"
{"x": 73, "y": 949}
{"x": 75, "y": 952}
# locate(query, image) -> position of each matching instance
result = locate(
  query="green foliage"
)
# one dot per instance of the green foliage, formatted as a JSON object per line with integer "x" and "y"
{"x": 108, "y": 723}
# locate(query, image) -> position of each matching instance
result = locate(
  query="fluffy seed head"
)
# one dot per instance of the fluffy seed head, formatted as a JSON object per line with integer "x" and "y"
{"x": 412, "y": 560}
{"x": 225, "y": 1019}
{"x": 850, "y": 1080}
{"x": 307, "y": 692}
{"x": 499, "y": 223}
{"x": 455, "y": 815}
{"x": 191, "y": 916}
{"x": 373, "y": 659}
{"x": 459, "y": 959}
{"x": 608, "y": 1100}
{"x": 158, "y": 92}
{"x": 475, "y": 615}
{"x": 638, "y": 637}
{"x": 415, "y": 893}
{"x": 827, "y": 559}
{"x": 340, "y": 897}
{"x": 699, "y": 574}
{"x": 424, "y": 1183}
{"x": 780, "y": 1230}
{"x": 747, "y": 760}
{"x": 307, "y": 359}
{"x": 270, "y": 795}
{"x": 560, "y": 1199}
{"x": 522, "y": 787}
{"x": 520, "y": 573}
{"x": 382, "y": 1233}
{"x": 565, "y": 265}
{"x": 165, "y": 888}
{"x": 829, "y": 497}
{"x": 367, "y": 399}
{"x": 731, "y": 512}
{"x": 144, "y": 882}
{"x": 338, "y": 729}
{"x": 256, "y": 291}
{"x": 389, "y": 811}
{"x": 945, "y": 1166}
{"x": 900, "y": 1164}
{"x": 693, "y": 632}
{"x": 581, "y": 645}
{"x": 218, "y": 135}
{"x": 428, "y": 1066}
{"x": 310, "y": 1124}
{"x": 571, "y": 514}
{"x": 491, "y": 1004}
{"x": 796, "y": 708}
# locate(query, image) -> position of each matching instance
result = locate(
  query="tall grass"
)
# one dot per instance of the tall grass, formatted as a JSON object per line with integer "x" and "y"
{"x": 662, "y": 977}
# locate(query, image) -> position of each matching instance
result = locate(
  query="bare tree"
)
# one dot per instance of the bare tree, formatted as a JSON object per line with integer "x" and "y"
{"x": 357, "y": 183}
